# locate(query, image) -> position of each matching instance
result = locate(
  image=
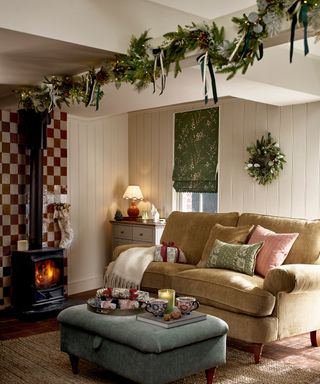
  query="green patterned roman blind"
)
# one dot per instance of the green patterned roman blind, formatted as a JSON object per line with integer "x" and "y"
{"x": 196, "y": 151}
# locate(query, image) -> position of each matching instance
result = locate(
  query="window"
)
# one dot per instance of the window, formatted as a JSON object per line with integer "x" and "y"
{"x": 195, "y": 177}
{"x": 197, "y": 202}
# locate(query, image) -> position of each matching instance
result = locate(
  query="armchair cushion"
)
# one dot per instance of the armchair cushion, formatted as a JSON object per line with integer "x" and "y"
{"x": 293, "y": 278}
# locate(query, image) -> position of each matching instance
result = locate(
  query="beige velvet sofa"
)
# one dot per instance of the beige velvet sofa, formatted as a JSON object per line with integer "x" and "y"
{"x": 258, "y": 310}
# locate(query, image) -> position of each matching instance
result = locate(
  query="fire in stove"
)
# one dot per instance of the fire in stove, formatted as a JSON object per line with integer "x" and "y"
{"x": 47, "y": 274}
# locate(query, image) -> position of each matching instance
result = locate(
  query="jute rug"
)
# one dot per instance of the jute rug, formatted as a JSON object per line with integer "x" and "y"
{"x": 37, "y": 359}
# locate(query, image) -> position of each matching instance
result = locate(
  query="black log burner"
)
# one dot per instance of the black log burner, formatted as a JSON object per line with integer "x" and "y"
{"x": 38, "y": 273}
{"x": 38, "y": 280}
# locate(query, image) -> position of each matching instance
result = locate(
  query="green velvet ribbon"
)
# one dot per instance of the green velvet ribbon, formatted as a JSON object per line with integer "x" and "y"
{"x": 292, "y": 11}
{"x": 260, "y": 56}
{"x": 213, "y": 82}
{"x": 98, "y": 96}
{"x": 298, "y": 8}
{"x": 246, "y": 44}
{"x": 303, "y": 17}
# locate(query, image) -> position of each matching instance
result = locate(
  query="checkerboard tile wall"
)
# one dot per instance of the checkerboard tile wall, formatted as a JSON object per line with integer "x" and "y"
{"x": 14, "y": 176}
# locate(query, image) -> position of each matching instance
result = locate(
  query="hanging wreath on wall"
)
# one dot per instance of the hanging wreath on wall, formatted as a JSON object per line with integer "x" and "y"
{"x": 265, "y": 161}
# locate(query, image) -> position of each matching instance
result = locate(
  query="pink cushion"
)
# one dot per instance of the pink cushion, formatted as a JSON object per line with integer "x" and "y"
{"x": 275, "y": 249}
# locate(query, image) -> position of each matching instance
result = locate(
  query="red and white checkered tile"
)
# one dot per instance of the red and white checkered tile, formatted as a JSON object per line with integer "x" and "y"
{"x": 14, "y": 176}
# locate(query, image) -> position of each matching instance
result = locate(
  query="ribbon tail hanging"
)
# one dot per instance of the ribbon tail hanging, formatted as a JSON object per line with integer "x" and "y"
{"x": 213, "y": 81}
{"x": 293, "y": 27}
{"x": 236, "y": 48}
{"x": 246, "y": 44}
{"x": 88, "y": 91}
{"x": 87, "y": 84}
{"x": 50, "y": 86}
{"x": 293, "y": 11}
{"x": 163, "y": 73}
{"x": 98, "y": 96}
{"x": 91, "y": 92}
{"x": 155, "y": 73}
{"x": 304, "y": 19}
{"x": 260, "y": 56}
{"x": 202, "y": 60}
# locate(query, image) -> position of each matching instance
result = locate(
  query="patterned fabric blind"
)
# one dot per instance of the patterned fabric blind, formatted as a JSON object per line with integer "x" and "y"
{"x": 196, "y": 151}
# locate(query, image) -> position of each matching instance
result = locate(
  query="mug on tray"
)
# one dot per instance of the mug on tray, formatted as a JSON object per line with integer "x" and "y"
{"x": 186, "y": 304}
{"x": 157, "y": 307}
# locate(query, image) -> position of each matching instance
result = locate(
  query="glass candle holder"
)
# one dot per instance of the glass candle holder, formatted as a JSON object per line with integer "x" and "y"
{"x": 170, "y": 295}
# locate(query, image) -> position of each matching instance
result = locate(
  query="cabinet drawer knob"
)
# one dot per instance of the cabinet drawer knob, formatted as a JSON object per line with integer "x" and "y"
{"x": 121, "y": 232}
{"x": 140, "y": 234}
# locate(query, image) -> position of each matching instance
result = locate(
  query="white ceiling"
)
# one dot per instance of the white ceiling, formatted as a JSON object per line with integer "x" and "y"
{"x": 69, "y": 44}
{"x": 208, "y": 9}
{"x": 25, "y": 59}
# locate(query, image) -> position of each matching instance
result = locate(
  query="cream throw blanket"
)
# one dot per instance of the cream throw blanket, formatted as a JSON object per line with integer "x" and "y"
{"x": 127, "y": 270}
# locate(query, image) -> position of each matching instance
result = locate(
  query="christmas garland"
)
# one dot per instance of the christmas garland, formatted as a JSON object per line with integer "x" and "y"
{"x": 144, "y": 65}
{"x": 265, "y": 160}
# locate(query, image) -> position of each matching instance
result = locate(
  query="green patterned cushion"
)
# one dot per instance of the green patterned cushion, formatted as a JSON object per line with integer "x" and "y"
{"x": 237, "y": 257}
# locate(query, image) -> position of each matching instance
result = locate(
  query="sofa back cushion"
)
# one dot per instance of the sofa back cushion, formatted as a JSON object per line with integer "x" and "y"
{"x": 276, "y": 247}
{"x": 237, "y": 257}
{"x": 231, "y": 235}
{"x": 190, "y": 230}
{"x": 306, "y": 248}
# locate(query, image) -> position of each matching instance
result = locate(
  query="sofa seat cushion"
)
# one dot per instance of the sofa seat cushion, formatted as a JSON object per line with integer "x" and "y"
{"x": 158, "y": 275}
{"x": 228, "y": 290}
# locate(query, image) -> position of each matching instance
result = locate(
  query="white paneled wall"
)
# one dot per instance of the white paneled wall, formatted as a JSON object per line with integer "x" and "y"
{"x": 104, "y": 155}
{"x": 97, "y": 178}
{"x": 296, "y": 193}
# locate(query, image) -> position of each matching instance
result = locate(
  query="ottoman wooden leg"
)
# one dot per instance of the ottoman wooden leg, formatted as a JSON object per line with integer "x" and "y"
{"x": 210, "y": 375}
{"x": 74, "y": 360}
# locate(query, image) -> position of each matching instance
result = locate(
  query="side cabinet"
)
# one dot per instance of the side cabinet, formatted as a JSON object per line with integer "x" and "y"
{"x": 133, "y": 232}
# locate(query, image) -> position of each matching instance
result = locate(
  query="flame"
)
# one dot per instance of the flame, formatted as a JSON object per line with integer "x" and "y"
{"x": 46, "y": 273}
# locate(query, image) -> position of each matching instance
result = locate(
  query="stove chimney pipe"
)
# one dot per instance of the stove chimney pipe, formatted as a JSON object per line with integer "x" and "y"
{"x": 34, "y": 125}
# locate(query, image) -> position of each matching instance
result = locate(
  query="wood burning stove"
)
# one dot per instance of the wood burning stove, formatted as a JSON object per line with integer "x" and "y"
{"x": 37, "y": 280}
{"x": 37, "y": 274}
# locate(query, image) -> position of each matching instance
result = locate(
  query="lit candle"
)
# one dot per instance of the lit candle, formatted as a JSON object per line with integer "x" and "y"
{"x": 168, "y": 294}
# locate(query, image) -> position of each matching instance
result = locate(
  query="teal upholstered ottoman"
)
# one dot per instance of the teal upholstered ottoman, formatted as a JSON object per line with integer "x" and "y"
{"x": 144, "y": 353}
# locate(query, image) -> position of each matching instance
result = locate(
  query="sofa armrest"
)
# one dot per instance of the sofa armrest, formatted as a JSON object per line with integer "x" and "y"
{"x": 121, "y": 248}
{"x": 293, "y": 278}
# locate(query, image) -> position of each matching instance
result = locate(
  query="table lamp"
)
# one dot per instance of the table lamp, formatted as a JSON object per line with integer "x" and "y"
{"x": 134, "y": 193}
